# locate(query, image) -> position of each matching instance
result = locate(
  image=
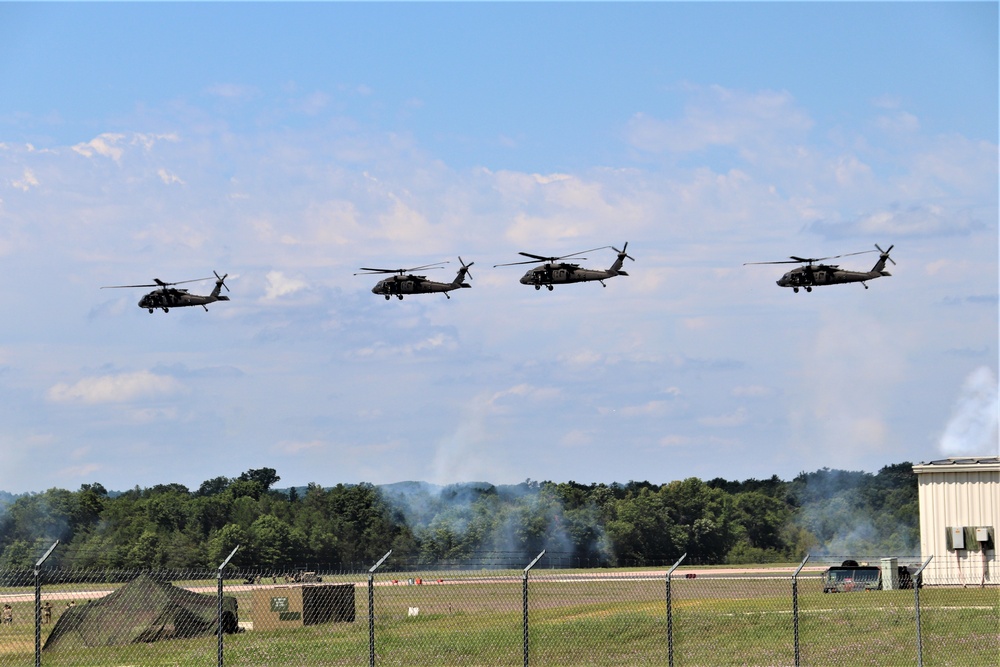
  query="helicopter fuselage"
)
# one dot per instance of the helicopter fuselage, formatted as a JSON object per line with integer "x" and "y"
{"x": 403, "y": 283}
{"x": 400, "y": 286}
{"x": 563, "y": 273}
{"x": 811, "y": 276}
{"x": 166, "y": 299}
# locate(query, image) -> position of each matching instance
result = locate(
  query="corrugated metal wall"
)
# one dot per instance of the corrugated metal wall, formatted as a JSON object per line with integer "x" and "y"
{"x": 965, "y": 496}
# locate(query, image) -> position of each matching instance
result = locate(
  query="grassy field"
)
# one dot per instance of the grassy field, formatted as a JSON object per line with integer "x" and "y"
{"x": 583, "y": 618}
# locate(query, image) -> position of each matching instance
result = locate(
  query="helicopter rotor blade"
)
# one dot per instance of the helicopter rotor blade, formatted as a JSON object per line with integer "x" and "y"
{"x": 532, "y": 261}
{"x": 181, "y": 282}
{"x": 159, "y": 283}
{"x": 538, "y": 257}
{"x": 125, "y": 286}
{"x": 541, "y": 258}
{"x": 793, "y": 259}
{"x": 582, "y": 252}
{"x": 466, "y": 266}
{"x": 369, "y": 270}
{"x": 886, "y": 253}
{"x": 622, "y": 251}
{"x": 222, "y": 279}
{"x": 784, "y": 261}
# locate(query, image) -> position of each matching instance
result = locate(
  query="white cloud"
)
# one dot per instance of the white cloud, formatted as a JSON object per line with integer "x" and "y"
{"x": 78, "y": 472}
{"x": 279, "y": 285}
{"x": 523, "y": 391}
{"x": 313, "y": 104}
{"x": 720, "y": 117}
{"x": 432, "y": 343}
{"x": 26, "y": 182}
{"x": 168, "y": 177}
{"x": 120, "y": 388}
{"x": 147, "y": 141}
{"x": 899, "y": 122}
{"x": 106, "y": 145}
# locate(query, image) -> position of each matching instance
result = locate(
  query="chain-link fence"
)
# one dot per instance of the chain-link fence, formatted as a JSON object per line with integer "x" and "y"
{"x": 496, "y": 612}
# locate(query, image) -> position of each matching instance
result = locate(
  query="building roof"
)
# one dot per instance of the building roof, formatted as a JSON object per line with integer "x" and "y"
{"x": 959, "y": 462}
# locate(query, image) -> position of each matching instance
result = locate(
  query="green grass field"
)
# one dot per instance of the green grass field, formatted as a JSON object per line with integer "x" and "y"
{"x": 609, "y": 618}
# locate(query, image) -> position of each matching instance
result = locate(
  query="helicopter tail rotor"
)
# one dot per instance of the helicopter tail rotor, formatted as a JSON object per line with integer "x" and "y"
{"x": 885, "y": 253}
{"x": 459, "y": 280}
{"x": 465, "y": 267}
{"x": 221, "y": 280}
{"x": 622, "y": 253}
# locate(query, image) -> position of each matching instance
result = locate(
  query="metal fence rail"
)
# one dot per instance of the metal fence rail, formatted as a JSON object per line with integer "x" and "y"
{"x": 490, "y": 613}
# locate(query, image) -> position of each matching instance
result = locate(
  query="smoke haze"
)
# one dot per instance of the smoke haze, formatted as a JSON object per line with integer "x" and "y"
{"x": 973, "y": 425}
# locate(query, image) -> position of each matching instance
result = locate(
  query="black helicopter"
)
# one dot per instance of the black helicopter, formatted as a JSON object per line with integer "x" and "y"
{"x": 813, "y": 275}
{"x": 168, "y": 296}
{"x": 555, "y": 272}
{"x": 404, "y": 282}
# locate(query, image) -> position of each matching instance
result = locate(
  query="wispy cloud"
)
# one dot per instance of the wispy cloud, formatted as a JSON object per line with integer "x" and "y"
{"x": 121, "y": 388}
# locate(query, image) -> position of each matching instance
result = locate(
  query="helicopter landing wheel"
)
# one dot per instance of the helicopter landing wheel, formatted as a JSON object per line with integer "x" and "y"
{"x": 399, "y": 296}
{"x": 538, "y": 287}
{"x": 166, "y": 310}
{"x": 386, "y": 297}
{"x": 809, "y": 289}
{"x": 150, "y": 311}
{"x": 795, "y": 289}
{"x": 550, "y": 287}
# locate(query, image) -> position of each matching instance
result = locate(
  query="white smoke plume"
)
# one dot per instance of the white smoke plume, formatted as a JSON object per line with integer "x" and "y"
{"x": 973, "y": 425}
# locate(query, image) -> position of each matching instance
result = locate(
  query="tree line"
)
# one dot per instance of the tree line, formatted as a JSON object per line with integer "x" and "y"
{"x": 837, "y": 512}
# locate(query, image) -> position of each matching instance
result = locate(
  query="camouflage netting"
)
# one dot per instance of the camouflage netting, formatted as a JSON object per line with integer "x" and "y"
{"x": 144, "y": 610}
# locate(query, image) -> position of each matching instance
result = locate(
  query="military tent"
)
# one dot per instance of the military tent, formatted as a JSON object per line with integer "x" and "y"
{"x": 144, "y": 610}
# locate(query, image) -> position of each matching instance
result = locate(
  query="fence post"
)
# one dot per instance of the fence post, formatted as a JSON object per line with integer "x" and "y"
{"x": 670, "y": 614}
{"x": 525, "y": 598}
{"x": 371, "y": 608}
{"x": 795, "y": 608}
{"x": 916, "y": 607}
{"x": 38, "y": 604}
{"x": 218, "y": 603}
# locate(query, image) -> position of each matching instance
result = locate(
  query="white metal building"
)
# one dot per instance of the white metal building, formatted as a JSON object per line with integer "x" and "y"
{"x": 959, "y": 517}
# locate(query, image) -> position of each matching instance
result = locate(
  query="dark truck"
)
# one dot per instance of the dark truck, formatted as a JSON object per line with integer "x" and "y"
{"x": 850, "y": 577}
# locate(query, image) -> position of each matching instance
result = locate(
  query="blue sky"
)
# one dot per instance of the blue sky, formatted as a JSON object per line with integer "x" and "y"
{"x": 291, "y": 144}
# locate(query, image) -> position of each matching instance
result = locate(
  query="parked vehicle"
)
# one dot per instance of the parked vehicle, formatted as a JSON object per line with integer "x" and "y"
{"x": 849, "y": 577}
{"x": 852, "y": 578}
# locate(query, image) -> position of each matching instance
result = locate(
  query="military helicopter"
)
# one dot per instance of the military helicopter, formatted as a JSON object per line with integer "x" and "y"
{"x": 168, "y": 296}
{"x": 405, "y": 282}
{"x": 813, "y": 275}
{"x": 554, "y": 272}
